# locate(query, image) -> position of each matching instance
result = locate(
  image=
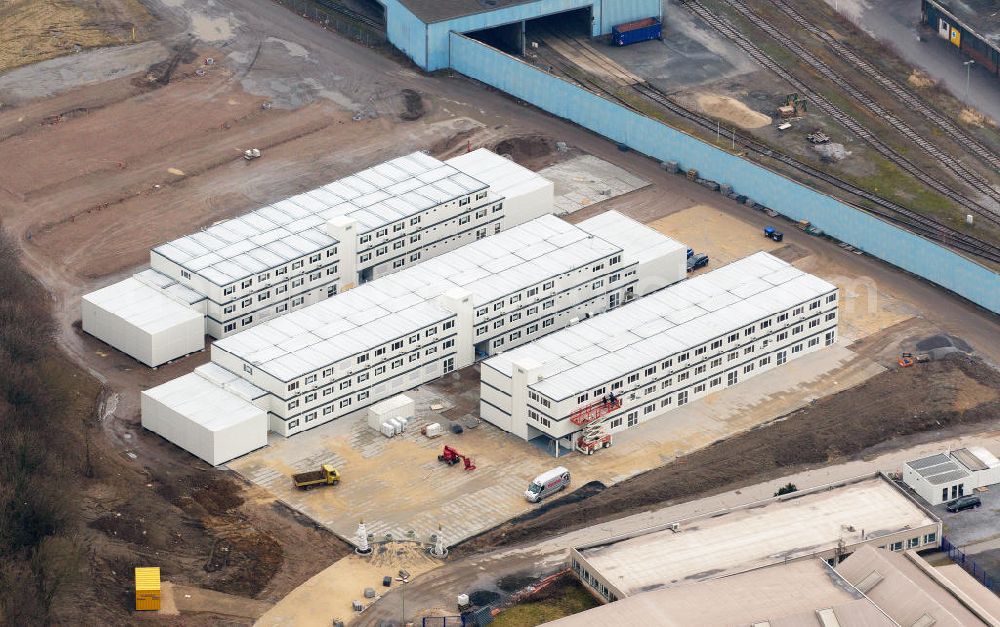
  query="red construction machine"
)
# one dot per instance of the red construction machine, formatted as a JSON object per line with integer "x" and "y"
{"x": 451, "y": 457}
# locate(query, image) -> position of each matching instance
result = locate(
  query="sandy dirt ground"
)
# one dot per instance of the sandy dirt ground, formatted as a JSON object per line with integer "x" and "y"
{"x": 110, "y": 151}
{"x": 330, "y": 594}
{"x": 731, "y": 110}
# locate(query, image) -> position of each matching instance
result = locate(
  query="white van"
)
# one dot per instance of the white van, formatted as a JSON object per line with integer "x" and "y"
{"x": 546, "y": 483}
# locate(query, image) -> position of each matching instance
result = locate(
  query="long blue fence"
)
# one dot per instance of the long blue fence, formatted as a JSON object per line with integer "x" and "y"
{"x": 981, "y": 575}
{"x": 799, "y": 202}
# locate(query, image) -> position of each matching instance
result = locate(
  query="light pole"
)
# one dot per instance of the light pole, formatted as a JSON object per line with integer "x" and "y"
{"x": 968, "y": 73}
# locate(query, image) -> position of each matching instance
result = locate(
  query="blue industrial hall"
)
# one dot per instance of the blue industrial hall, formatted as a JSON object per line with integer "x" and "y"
{"x": 421, "y": 28}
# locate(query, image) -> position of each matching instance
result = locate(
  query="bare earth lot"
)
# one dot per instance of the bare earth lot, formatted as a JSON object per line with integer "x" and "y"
{"x": 108, "y": 152}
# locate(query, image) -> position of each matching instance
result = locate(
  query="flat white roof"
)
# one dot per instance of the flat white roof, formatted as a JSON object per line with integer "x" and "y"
{"x": 675, "y": 319}
{"x": 142, "y": 306}
{"x": 505, "y": 178}
{"x": 785, "y": 594}
{"x": 758, "y": 534}
{"x": 203, "y": 402}
{"x": 639, "y": 241}
{"x": 294, "y": 227}
{"x": 395, "y": 305}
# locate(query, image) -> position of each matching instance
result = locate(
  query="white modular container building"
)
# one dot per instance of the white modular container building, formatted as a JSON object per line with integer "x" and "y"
{"x": 942, "y": 477}
{"x": 143, "y": 322}
{"x": 394, "y": 333}
{"x": 303, "y": 249}
{"x": 524, "y": 192}
{"x": 209, "y": 413}
{"x": 660, "y": 352}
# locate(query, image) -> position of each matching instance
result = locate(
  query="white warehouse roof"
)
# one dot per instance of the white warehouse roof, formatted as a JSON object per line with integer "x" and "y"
{"x": 142, "y": 306}
{"x": 504, "y": 177}
{"x": 672, "y": 320}
{"x": 288, "y": 229}
{"x": 639, "y": 241}
{"x": 392, "y": 306}
{"x": 203, "y": 403}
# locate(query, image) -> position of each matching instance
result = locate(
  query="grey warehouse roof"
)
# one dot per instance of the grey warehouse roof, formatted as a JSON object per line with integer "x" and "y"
{"x": 440, "y": 10}
{"x": 672, "y": 320}
{"x": 395, "y": 305}
{"x": 938, "y": 469}
{"x": 980, "y": 16}
{"x": 722, "y": 543}
{"x": 295, "y": 227}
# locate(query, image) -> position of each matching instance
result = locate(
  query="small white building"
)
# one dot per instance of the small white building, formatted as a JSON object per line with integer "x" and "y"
{"x": 303, "y": 249}
{"x": 942, "y": 477}
{"x": 659, "y": 352}
{"x": 209, "y": 413}
{"x": 143, "y": 322}
{"x": 399, "y": 331}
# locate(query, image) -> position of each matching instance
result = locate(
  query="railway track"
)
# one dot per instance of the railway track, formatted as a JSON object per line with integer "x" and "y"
{"x": 915, "y": 222}
{"x": 904, "y": 95}
{"x": 352, "y": 14}
{"x": 763, "y": 59}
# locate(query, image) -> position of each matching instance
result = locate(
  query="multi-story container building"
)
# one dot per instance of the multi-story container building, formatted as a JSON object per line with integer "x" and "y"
{"x": 305, "y": 248}
{"x": 636, "y": 363}
{"x": 407, "y": 328}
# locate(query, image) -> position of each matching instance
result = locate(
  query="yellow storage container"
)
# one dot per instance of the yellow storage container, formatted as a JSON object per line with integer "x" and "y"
{"x": 147, "y": 588}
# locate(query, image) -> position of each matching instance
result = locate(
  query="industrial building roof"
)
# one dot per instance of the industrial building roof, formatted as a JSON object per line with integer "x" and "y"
{"x": 939, "y": 468}
{"x": 203, "y": 402}
{"x": 142, "y": 306}
{"x": 395, "y": 305}
{"x": 976, "y": 458}
{"x": 980, "y": 16}
{"x": 505, "y": 178}
{"x": 234, "y": 249}
{"x": 783, "y": 595}
{"x": 439, "y": 10}
{"x": 904, "y": 587}
{"x": 684, "y": 315}
{"x": 757, "y": 534}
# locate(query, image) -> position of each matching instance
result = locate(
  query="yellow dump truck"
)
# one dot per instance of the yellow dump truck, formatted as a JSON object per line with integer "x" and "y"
{"x": 327, "y": 475}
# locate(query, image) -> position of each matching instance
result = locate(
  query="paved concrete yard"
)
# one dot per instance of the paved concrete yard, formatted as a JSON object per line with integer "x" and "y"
{"x": 585, "y": 180}
{"x": 398, "y": 486}
{"x": 865, "y": 308}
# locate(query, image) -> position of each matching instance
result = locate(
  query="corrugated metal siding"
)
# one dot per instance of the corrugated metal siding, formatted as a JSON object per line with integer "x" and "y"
{"x": 620, "y": 11}
{"x": 894, "y": 245}
{"x": 427, "y": 44}
{"x": 406, "y": 32}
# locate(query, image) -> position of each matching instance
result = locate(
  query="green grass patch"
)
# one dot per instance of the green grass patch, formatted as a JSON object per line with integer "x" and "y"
{"x": 566, "y": 598}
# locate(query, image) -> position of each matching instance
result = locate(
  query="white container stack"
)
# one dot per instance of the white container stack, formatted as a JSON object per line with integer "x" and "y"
{"x": 395, "y": 407}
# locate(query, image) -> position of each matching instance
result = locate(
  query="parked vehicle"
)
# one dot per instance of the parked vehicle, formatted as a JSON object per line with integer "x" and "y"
{"x": 547, "y": 483}
{"x": 634, "y": 32}
{"x": 964, "y": 502}
{"x": 771, "y": 233}
{"x": 699, "y": 260}
{"x": 327, "y": 475}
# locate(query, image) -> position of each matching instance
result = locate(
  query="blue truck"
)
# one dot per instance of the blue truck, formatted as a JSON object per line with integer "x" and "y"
{"x": 634, "y": 32}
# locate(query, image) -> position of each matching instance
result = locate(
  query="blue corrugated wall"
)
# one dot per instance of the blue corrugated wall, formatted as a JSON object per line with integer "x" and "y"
{"x": 881, "y": 239}
{"x": 427, "y": 44}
